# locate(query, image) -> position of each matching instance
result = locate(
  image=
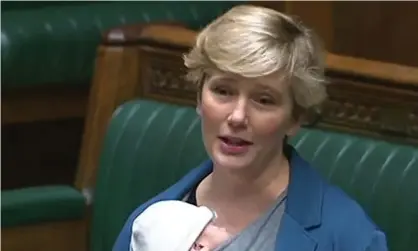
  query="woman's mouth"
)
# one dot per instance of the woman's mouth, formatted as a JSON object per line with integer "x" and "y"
{"x": 234, "y": 145}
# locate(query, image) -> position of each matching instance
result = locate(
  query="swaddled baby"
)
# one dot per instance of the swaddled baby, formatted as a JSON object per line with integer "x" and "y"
{"x": 176, "y": 226}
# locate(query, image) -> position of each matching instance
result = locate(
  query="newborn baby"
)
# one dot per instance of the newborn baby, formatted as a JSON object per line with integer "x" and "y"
{"x": 210, "y": 238}
{"x": 176, "y": 226}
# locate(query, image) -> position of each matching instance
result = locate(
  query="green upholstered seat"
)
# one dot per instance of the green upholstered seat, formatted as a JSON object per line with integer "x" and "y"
{"x": 147, "y": 147}
{"x": 55, "y": 42}
{"x": 381, "y": 176}
{"x": 34, "y": 205}
{"x": 150, "y": 145}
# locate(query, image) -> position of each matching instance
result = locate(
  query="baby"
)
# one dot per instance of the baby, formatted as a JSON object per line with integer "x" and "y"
{"x": 176, "y": 226}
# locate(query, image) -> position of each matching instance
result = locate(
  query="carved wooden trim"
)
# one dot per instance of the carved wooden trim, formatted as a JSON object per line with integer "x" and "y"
{"x": 162, "y": 77}
{"x": 357, "y": 103}
{"x": 366, "y": 107}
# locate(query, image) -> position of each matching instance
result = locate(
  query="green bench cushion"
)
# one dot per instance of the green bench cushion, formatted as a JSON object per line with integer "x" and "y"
{"x": 40, "y": 204}
{"x": 56, "y": 43}
{"x": 381, "y": 176}
{"x": 150, "y": 145}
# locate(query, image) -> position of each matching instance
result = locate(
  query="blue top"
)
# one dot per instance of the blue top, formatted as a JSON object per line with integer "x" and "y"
{"x": 318, "y": 216}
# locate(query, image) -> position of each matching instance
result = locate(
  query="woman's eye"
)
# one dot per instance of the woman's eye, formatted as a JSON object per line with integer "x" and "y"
{"x": 265, "y": 100}
{"x": 222, "y": 91}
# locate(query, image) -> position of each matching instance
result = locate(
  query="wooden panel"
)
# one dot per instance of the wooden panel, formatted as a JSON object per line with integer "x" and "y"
{"x": 162, "y": 76}
{"x": 275, "y": 5}
{"x": 46, "y": 152}
{"x": 116, "y": 78}
{"x": 114, "y": 82}
{"x": 371, "y": 107}
{"x": 63, "y": 236}
{"x": 318, "y": 15}
{"x": 43, "y": 103}
{"x": 393, "y": 73}
{"x": 377, "y": 30}
{"x": 42, "y": 128}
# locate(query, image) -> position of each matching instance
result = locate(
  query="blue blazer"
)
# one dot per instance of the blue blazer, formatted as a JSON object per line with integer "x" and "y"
{"x": 318, "y": 216}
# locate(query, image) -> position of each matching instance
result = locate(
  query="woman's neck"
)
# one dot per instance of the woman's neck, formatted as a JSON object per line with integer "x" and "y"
{"x": 261, "y": 182}
{"x": 240, "y": 197}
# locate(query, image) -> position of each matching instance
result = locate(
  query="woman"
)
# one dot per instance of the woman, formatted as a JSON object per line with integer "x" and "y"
{"x": 259, "y": 75}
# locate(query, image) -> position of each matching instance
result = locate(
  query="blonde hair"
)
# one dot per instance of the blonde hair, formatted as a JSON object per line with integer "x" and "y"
{"x": 255, "y": 41}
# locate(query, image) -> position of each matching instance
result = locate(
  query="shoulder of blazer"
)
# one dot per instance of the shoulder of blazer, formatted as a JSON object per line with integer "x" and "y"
{"x": 174, "y": 192}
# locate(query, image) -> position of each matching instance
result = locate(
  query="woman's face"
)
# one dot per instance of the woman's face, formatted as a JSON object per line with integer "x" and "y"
{"x": 244, "y": 121}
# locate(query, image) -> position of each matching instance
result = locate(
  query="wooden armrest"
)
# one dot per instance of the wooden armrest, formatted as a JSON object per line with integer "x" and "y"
{"x": 394, "y": 73}
{"x": 179, "y": 36}
{"x": 174, "y": 33}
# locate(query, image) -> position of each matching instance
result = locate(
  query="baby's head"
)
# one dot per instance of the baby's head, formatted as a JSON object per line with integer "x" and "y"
{"x": 210, "y": 238}
{"x": 175, "y": 226}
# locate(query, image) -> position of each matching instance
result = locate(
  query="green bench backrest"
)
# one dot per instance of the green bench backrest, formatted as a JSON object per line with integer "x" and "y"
{"x": 150, "y": 145}
{"x": 55, "y": 43}
{"x": 381, "y": 176}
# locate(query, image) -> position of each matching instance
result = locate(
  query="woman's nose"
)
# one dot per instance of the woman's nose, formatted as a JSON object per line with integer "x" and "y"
{"x": 238, "y": 116}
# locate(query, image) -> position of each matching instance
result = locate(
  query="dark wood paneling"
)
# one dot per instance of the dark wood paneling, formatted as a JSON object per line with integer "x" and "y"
{"x": 40, "y": 153}
{"x": 317, "y": 16}
{"x": 276, "y": 5}
{"x": 63, "y": 236}
{"x": 43, "y": 103}
{"x": 378, "y": 30}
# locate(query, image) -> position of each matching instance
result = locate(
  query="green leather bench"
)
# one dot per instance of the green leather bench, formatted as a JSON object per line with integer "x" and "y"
{"x": 49, "y": 49}
{"x": 55, "y": 42}
{"x": 150, "y": 145}
{"x": 41, "y": 204}
{"x": 46, "y": 43}
{"x": 43, "y": 218}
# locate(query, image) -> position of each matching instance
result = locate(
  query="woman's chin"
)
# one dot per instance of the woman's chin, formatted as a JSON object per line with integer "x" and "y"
{"x": 233, "y": 162}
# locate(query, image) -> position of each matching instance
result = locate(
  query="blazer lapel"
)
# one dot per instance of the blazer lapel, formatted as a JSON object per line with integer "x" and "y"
{"x": 303, "y": 207}
{"x": 183, "y": 186}
{"x": 293, "y": 237}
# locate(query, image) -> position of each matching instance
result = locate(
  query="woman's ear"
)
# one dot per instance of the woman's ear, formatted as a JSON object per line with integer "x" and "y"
{"x": 199, "y": 103}
{"x": 198, "y": 111}
{"x": 295, "y": 125}
{"x": 294, "y": 128}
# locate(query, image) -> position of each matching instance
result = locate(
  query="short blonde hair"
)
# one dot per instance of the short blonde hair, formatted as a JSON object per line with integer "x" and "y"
{"x": 255, "y": 41}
